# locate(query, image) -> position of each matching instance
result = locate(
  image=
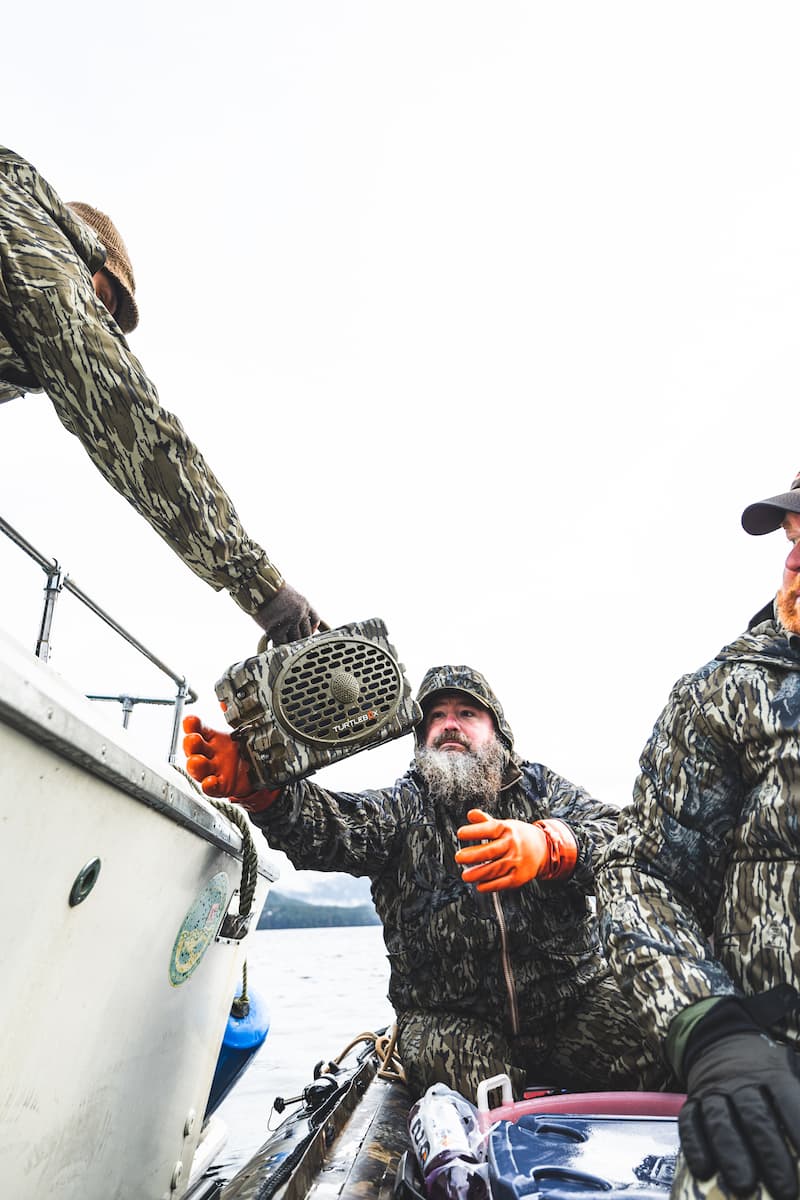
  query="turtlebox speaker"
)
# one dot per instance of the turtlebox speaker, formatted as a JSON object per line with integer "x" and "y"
{"x": 302, "y": 706}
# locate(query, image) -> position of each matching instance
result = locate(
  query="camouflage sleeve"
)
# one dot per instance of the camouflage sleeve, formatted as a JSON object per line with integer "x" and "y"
{"x": 661, "y": 880}
{"x": 592, "y": 823}
{"x": 320, "y": 830}
{"x": 102, "y": 395}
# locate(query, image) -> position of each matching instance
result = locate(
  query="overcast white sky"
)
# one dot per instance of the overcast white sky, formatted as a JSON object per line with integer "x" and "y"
{"x": 487, "y": 316}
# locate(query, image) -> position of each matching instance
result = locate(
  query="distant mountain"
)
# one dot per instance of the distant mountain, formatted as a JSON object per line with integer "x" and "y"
{"x": 323, "y": 887}
{"x": 287, "y": 912}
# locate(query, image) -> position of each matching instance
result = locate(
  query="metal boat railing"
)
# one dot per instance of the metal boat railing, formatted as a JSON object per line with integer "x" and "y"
{"x": 58, "y": 581}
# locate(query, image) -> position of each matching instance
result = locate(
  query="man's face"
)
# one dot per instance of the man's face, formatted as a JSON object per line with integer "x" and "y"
{"x": 105, "y": 290}
{"x": 456, "y": 724}
{"x": 789, "y": 595}
{"x": 461, "y": 760}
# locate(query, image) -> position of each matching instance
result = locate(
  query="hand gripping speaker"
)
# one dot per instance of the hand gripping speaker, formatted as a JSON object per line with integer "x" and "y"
{"x": 300, "y": 707}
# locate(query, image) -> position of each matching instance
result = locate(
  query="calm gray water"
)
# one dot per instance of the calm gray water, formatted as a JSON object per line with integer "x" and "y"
{"x": 323, "y": 987}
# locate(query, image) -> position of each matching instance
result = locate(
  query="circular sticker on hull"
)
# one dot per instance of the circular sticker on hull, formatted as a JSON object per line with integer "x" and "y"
{"x": 199, "y": 927}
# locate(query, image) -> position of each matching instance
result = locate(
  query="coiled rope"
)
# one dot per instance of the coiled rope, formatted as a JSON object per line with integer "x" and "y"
{"x": 384, "y": 1045}
{"x": 249, "y": 879}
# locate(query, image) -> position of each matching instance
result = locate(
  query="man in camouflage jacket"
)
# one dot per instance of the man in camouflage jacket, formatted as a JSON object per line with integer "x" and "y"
{"x": 700, "y": 895}
{"x": 482, "y": 866}
{"x": 64, "y": 273}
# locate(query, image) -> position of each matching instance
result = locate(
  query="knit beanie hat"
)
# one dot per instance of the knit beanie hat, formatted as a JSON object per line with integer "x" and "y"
{"x": 118, "y": 263}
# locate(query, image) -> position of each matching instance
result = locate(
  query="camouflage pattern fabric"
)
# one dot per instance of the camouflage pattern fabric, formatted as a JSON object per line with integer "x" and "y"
{"x": 686, "y": 1187}
{"x": 57, "y": 337}
{"x": 592, "y": 1045}
{"x": 302, "y": 706}
{"x": 514, "y": 962}
{"x": 470, "y": 681}
{"x": 710, "y": 845}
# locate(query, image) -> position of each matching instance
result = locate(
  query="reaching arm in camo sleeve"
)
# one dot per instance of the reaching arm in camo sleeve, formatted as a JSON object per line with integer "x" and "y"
{"x": 660, "y": 884}
{"x": 322, "y": 830}
{"x": 58, "y": 336}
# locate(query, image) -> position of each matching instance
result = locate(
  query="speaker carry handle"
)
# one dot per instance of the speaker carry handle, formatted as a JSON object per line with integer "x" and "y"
{"x": 263, "y": 641}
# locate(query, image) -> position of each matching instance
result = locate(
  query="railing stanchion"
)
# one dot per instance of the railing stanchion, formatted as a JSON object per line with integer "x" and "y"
{"x": 177, "y": 717}
{"x": 57, "y": 582}
{"x": 52, "y": 590}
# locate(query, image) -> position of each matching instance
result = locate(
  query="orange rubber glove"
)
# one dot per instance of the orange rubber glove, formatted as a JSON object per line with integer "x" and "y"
{"x": 512, "y": 853}
{"x": 215, "y": 761}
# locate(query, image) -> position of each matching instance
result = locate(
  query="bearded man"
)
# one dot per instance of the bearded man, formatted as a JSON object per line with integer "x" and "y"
{"x": 482, "y": 868}
{"x": 709, "y": 849}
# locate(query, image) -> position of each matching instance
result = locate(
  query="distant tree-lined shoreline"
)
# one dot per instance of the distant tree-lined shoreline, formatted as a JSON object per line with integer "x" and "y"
{"x": 285, "y": 912}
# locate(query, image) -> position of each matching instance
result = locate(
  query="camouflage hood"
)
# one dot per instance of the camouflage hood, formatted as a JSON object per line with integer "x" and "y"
{"x": 472, "y": 683}
{"x": 767, "y": 643}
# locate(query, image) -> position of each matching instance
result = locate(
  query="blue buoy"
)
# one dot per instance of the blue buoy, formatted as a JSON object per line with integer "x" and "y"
{"x": 244, "y": 1035}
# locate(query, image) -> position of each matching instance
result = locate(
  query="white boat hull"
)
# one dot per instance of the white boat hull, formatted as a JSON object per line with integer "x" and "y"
{"x": 112, "y": 1009}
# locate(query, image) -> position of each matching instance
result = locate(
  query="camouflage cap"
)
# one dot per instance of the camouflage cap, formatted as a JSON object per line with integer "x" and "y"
{"x": 767, "y": 515}
{"x": 118, "y": 263}
{"x": 472, "y": 683}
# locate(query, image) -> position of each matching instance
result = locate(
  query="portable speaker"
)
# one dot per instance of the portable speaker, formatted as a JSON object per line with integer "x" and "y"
{"x": 300, "y": 707}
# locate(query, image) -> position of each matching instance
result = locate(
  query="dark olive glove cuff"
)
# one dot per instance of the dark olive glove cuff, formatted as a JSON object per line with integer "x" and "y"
{"x": 727, "y": 1015}
{"x": 716, "y": 1017}
{"x": 680, "y": 1030}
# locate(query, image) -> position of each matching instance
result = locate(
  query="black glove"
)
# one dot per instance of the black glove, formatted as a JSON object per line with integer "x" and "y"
{"x": 743, "y": 1106}
{"x": 287, "y": 617}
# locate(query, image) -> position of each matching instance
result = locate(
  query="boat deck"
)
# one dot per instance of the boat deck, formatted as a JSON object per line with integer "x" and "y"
{"x": 348, "y": 1148}
{"x": 351, "y": 1135}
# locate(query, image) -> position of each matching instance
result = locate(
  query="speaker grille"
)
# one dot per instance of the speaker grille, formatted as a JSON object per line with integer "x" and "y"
{"x": 302, "y": 706}
{"x": 338, "y": 691}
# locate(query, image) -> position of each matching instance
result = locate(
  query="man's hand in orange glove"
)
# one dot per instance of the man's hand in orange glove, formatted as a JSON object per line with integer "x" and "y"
{"x": 215, "y": 761}
{"x": 511, "y": 852}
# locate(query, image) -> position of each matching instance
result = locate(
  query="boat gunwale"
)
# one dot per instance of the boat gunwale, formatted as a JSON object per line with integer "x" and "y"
{"x": 336, "y": 1150}
{"x": 56, "y": 721}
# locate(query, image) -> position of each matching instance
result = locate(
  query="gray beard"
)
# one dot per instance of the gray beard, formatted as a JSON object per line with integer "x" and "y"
{"x": 462, "y": 781}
